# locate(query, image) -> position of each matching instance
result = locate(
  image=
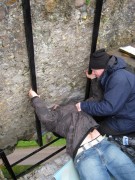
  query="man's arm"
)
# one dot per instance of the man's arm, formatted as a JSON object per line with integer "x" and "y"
{"x": 47, "y": 117}
{"x": 114, "y": 99}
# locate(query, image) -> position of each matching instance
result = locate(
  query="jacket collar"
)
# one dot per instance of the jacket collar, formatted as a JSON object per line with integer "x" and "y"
{"x": 114, "y": 64}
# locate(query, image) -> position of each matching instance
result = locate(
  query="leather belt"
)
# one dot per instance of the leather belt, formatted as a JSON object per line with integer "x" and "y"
{"x": 90, "y": 144}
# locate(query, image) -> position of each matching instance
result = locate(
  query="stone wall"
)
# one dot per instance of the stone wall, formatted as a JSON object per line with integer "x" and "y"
{"x": 62, "y": 40}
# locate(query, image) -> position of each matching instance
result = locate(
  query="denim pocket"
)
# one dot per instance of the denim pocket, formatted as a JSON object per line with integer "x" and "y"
{"x": 78, "y": 158}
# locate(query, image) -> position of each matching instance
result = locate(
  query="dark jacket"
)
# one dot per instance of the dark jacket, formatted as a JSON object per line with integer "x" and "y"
{"x": 67, "y": 122}
{"x": 118, "y": 103}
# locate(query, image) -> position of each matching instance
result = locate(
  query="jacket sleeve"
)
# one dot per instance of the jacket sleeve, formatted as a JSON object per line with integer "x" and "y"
{"x": 47, "y": 117}
{"x": 116, "y": 94}
{"x": 96, "y": 92}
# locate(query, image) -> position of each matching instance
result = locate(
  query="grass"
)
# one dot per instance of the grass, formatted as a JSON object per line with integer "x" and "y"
{"x": 17, "y": 170}
{"x": 87, "y": 1}
{"x": 26, "y": 144}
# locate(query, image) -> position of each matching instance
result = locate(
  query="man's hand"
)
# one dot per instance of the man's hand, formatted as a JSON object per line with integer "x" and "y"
{"x": 90, "y": 76}
{"x": 55, "y": 106}
{"x": 33, "y": 94}
{"x": 78, "y": 106}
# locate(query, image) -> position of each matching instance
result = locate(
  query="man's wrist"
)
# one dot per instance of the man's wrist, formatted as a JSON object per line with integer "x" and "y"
{"x": 78, "y": 106}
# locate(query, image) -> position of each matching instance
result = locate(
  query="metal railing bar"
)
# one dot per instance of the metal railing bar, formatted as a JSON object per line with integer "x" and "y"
{"x": 30, "y": 51}
{"x": 96, "y": 25}
{"x": 7, "y": 164}
{"x": 34, "y": 152}
{"x": 37, "y": 164}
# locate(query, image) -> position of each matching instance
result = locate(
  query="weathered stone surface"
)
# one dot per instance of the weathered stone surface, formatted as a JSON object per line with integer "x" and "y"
{"x": 79, "y": 3}
{"x": 62, "y": 38}
{"x": 2, "y": 13}
{"x": 47, "y": 171}
{"x": 117, "y": 25}
{"x": 50, "y": 5}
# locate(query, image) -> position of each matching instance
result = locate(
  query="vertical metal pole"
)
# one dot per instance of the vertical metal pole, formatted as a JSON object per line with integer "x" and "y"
{"x": 30, "y": 51}
{"x": 7, "y": 164}
{"x": 98, "y": 10}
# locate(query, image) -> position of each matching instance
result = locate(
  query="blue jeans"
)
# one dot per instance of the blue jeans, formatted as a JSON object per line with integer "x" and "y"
{"x": 103, "y": 161}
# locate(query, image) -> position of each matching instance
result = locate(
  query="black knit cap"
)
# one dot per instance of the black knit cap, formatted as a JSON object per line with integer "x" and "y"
{"x": 99, "y": 59}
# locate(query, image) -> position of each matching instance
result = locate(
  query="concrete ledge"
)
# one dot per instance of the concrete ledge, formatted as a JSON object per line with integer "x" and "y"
{"x": 46, "y": 171}
{"x": 129, "y": 60}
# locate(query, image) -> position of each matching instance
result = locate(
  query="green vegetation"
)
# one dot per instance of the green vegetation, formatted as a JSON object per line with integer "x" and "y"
{"x": 87, "y": 2}
{"x": 26, "y": 144}
{"x": 17, "y": 170}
